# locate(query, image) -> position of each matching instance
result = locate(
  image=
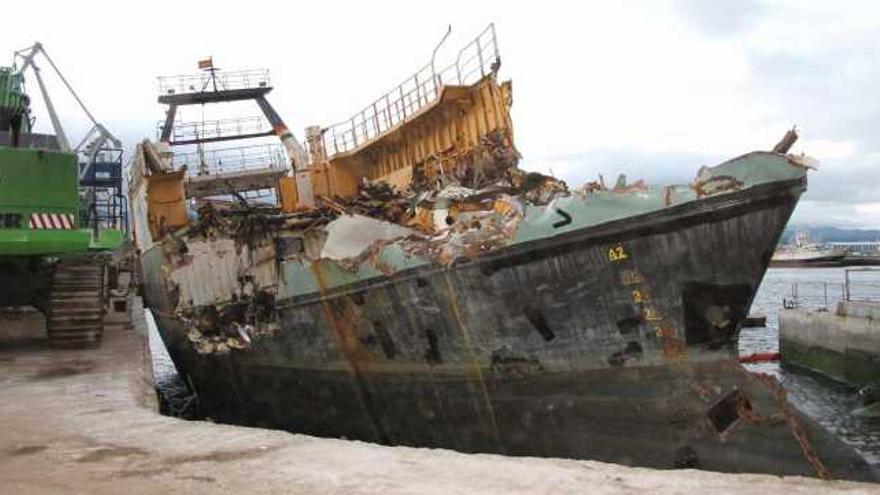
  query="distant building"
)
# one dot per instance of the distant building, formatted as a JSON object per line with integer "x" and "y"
{"x": 861, "y": 248}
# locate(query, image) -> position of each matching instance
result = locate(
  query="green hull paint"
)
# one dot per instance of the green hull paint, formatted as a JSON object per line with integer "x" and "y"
{"x": 540, "y": 222}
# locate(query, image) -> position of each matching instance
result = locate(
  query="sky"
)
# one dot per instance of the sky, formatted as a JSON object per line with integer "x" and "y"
{"x": 650, "y": 89}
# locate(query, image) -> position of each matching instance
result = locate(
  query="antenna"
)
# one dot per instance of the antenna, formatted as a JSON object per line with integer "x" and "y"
{"x": 434, "y": 55}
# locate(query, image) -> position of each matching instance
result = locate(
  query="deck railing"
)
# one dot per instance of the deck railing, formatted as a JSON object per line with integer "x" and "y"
{"x": 477, "y": 59}
{"x": 853, "y": 283}
{"x": 814, "y": 295}
{"x": 824, "y": 296}
{"x": 215, "y": 129}
{"x": 214, "y": 80}
{"x": 229, "y": 160}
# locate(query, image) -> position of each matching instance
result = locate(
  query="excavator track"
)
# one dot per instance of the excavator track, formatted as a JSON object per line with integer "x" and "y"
{"x": 75, "y": 316}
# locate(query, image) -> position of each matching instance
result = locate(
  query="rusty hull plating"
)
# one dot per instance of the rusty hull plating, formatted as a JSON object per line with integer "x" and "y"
{"x": 424, "y": 291}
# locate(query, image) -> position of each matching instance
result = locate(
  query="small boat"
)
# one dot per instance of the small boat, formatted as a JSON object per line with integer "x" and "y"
{"x": 803, "y": 252}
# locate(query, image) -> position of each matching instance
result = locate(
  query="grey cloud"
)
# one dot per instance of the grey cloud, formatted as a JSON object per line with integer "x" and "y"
{"x": 829, "y": 213}
{"x": 828, "y": 89}
{"x": 654, "y": 167}
{"x": 852, "y": 181}
{"x": 822, "y": 74}
{"x": 720, "y": 18}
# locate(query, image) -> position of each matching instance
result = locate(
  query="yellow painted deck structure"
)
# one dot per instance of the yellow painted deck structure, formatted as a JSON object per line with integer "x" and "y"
{"x": 443, "y": 135}
{"x": 436, "y": 123}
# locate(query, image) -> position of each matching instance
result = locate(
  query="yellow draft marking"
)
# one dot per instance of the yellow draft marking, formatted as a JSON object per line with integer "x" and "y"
{"x": 673, "y": 347}
{"x": 616, "y": 253}
{"x": 631, "y": 277}
{"x": 664, "y": 330}
{"x": 651, "y": 314}
{"x": 638, "y": 297}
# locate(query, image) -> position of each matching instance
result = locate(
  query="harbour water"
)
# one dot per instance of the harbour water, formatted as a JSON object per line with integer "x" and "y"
{"x": 828, "y": 403}
{"x": 175, "y": 399}
{"x": 825, "y": 401}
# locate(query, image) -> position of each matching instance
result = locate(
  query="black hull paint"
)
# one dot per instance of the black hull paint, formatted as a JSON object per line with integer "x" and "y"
{"x": 540, "y": 349}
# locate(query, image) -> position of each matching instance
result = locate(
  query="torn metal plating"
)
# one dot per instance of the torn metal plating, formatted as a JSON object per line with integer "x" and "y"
{"x": 239, "y": 256}
{"x": 221, "y": 328}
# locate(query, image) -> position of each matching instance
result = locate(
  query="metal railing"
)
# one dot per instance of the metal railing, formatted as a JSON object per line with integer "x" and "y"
{"x": 814, "y": 295}
{"x": 825, "y": 295}
{"x": 109, "y": 211}
{"x": 228, "y": 160}
{"x": 214, "y": 129}
{"x": 851, "y": 287}
{"x": 265, "y": 196}
{"x": 477, "y": 59}
{"x": 214, "y": 80}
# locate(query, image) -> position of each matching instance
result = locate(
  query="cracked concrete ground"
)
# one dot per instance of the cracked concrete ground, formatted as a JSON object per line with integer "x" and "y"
{"x": 84, "y": 422}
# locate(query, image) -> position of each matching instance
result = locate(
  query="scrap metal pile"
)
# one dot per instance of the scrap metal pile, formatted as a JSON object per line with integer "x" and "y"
{"x": 455, "y": 192}
{"x": 453, "y": 208}
{"x": 465, "y": 209}
{"x": 443, "y": 222}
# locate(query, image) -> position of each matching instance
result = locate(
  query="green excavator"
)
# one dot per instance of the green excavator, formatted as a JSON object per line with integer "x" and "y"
{"x": 63, "y": 215}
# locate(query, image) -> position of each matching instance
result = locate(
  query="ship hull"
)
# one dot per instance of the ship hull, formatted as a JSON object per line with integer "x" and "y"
{"x": 615, "y": 342}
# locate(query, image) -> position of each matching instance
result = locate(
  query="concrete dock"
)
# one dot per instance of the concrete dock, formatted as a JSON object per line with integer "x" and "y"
{"x": 85, "y": 422}
{"x": 843, "y": 345}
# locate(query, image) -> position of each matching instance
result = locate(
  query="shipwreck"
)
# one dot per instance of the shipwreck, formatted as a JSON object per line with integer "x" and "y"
{"x": 400, "y": 280}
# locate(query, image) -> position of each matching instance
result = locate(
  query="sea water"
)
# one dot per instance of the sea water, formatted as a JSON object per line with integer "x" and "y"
{"x": 825, "y": 401}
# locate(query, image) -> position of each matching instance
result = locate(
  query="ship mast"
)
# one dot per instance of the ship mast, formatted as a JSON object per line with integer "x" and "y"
{"x": 253, "y": 168}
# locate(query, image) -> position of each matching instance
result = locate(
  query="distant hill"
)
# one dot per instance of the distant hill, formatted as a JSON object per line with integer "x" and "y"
{"x": 830, "y": 234}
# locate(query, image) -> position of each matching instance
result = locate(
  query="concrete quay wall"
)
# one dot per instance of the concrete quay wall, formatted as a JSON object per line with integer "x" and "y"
{"x": 843, "y": 345}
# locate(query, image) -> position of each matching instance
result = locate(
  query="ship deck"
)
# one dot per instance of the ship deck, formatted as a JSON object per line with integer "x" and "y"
{"x": 85, "y": 422}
